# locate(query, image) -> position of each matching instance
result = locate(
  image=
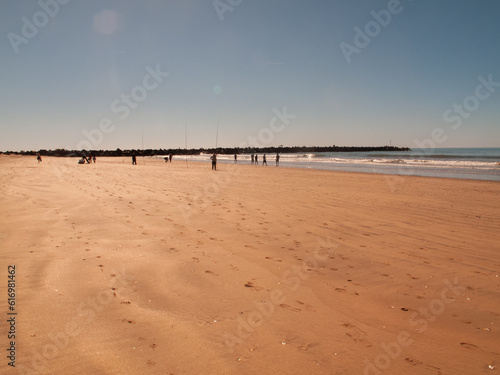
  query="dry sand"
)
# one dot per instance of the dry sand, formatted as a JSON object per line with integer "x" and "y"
{"x": 175, "y": 269}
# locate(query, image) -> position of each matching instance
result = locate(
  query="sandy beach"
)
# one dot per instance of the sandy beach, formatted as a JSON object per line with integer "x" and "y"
{"x": 171, "y": 268}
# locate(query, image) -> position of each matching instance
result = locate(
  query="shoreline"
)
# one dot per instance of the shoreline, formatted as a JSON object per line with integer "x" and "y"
{"x": 401, "y": 166}
{"x": 379, "y": 169}
{"x": 66, "y": 162}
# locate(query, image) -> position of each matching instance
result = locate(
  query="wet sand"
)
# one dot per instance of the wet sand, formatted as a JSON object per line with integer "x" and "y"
{"x": 174, "y": 269}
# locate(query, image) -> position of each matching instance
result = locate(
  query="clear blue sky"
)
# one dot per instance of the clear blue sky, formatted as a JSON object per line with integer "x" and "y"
{"x": 234, "y": 65}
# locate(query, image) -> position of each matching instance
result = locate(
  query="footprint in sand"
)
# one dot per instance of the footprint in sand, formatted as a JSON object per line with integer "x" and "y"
{"x": 357, "y": 334}
{"x": 128, "y": 321}
{"x": 413, "y": 362}
{"x": 416, "y": 362}
{"x": 285, "y": 306}
{"x": 305, "y": 347}
{"x": 250, "y": 284}
{"x": 468, "y": 346}
{"x": 211, "y": 273}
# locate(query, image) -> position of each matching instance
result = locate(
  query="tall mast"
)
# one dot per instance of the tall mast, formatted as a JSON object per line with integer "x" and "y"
{"x": 217, "y": 132}
{"x": 186, "y": 139}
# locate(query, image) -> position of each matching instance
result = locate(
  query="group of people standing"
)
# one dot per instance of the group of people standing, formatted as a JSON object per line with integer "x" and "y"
{"x": 255, "y": 159}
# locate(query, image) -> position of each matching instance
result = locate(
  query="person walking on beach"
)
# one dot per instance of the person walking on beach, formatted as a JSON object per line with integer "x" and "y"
{"x": 277, "y": 159}
{"x": 214, "y": 161}
{"x": 134, "y": 160}
{"x": 253, "y": 157}
{"x": 39, "y": 158}
{"x": 264, "y": 161}
{"x": 256, "y": 159}
{"x": 93, "y": 158}
{"x": 170, "y": 157}
{"x": 235, "y": 159}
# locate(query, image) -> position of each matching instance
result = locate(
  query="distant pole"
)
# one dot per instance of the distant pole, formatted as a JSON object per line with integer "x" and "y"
{"x": 217, "y": 132}
{"x": 186, "y": 139}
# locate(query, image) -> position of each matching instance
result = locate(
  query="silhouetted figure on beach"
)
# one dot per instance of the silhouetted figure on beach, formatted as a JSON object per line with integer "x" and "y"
{"x": 264, "y": 161}
{"x": 93, "y": 159}
{"x": 214, "y": 161}
{"x": 166, "y": 159}
{"x": 170, "y": 157}
{"x": 134, "y": 160}
{"x": 256, "y": 159}
{"x": 253, "y": 158}
{"x": 39, "y": 158}
{"x": 277, "y": 159}
{"x": 235, "y": 159}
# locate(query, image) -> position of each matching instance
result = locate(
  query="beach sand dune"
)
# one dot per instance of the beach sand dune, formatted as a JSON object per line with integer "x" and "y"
{"x": 175, "y": 269}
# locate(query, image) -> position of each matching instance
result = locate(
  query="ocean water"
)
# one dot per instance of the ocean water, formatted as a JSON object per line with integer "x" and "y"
{"x": 467, "y": 163}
